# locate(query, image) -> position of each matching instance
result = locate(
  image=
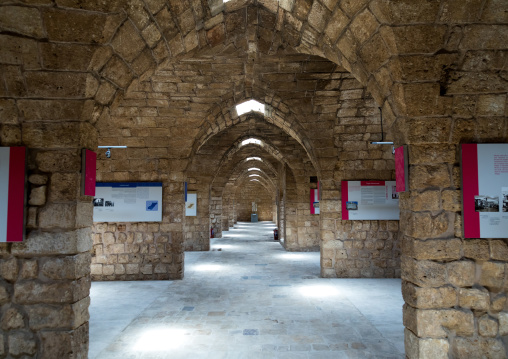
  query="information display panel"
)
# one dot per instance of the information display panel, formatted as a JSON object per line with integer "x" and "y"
{"x": 484, "y": 170}
{"x": 191, "y": 204}
{"x": 128, "y": 202}
{"x": 370, "y": 200}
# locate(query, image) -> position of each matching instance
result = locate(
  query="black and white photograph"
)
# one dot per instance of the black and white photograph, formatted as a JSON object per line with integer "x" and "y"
{"x": 109, "y": 204}
{"x": 505, "y": 199}
{"x": 395, "y": 194}
{"x": 486, "y": 204}
{"x": 98, "y": 202}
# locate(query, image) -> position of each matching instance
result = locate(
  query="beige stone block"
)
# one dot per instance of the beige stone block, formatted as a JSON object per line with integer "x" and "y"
{"x": 59, "y": 243}
{"x": 70, "y": 267}
{"x": 497, "y": 303}
{"x": 498, "y": 250}
{"x": 22, "y": 20}
{"x": 22, "y": 343}
{"x": 461, "y": 273}
{"x": 96, "y": 269}
{"x": 423, "y": 273}
{"x": 76, "y": 26}
{"x": 108, "y": 269}
{"x": 12, "y": 319}
{"x": 438, "y": 323}
{"x": 57, "y": 216}
{"x": 58, "y": 161}
{"x": 57, "y": 344}
{"x": 10, "y": 135}
{"x": 483, "y": 36}
{"x": 33, "y": 292}
{"x": 491, "y": 105}
{"x": 19, "y": 51}
{"x": 132, "y": 268}
{"x": 503, "y": 323}
{"x": 118, "y": 72}
{"x": 29, "y": 269}
{"x": 492, "y": 275}
{"x": 425, "y": 348}
{"x": 127, "y": 42}
{"x": 476, "y": 249}
{"x": 9, "y": 269}
{"x": 439, "y": 249}
{"x": 429, "y": 298}
{"x": 487, "y": 326}
{"x": 478, "y": 348}
{"x": 474, "y": 299}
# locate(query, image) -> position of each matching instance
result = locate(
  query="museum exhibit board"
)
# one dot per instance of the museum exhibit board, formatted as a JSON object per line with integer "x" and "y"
{"x": 484, "y": 172}
{"x": 128, "y": 202}
{"x": 370, "y": 200}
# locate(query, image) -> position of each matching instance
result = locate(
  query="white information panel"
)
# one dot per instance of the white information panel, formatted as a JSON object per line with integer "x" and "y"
{"x": 191, "y": 204}
{"x": 128, "y": 202}
{"x": 485, "y": 190}
{"x": 370, "y": 200}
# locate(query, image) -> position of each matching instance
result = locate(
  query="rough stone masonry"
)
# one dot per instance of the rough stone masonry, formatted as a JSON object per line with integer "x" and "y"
{"x": 163, "y": 78}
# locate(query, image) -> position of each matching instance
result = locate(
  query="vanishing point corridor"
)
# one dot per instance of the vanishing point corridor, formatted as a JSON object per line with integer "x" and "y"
{"x": 248, "y": 298}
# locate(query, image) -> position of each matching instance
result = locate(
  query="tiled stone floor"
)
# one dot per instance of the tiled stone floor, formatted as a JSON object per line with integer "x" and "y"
{"x": 248, "y": 298}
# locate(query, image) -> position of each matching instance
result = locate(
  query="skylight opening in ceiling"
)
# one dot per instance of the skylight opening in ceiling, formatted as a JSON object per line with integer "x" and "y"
{"x": 249, "y": 141}
{"x": 248, "y": 106}
{"x": 254, "y": 175}
{"x": 255, "y": 180}
{"x": 253, "y": 159}
{"x": 254, "y": 169}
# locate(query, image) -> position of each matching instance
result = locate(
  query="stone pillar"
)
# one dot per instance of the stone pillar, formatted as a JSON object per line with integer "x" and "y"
{"x": 46, "y": 279}
{"x": 329, "y": 208}
{"x": 454, "y": 288}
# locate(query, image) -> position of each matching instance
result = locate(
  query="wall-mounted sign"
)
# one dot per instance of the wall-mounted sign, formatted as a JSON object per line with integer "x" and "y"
{"x": 128, "y": 202}
{"x": 370, "y": 200}
{"x": 314, "y": 201}
{"x": 401, "y": 169}
{"x": 12, "y": 194}
{"x": 485, "y": 190}
{"x": 88, "y": 172}
{"x": 191, "y": 204}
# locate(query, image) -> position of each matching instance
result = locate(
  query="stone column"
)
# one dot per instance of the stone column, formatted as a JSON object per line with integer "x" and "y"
{"x": 46, "y": 279}
{"x": 454, "y": 288}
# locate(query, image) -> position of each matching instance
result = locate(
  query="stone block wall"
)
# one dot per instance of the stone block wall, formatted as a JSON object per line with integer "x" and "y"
{"x": 253, "y": 193}
{"x": 369, "y": 249}
{"x": 196, "y": 229}
{"x": 134, "y": 251}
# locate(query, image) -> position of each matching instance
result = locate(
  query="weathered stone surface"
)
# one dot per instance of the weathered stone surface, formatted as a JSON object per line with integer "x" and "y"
{"x": 474, "y": 299}
{"x": 32, "y": 292}
{"x": 503, "y": 323}
{"x": 487, "y": 326}
{"x": 429, "y": 298}
{"x": 21, "y": 343}
{"x": 70, "y": 267}
{"x": 438, "y": 323}
{"x": 461, "y": 273}
{"x": 65, "y": 317}
{"x": 23, "y": 20}
{"x": 37, "y": 196}
{"x": 47, "y": 243}
{"x": 9, "y": 269}
{"x": 477, "y": 348}
{"x": 423, "y": 273}
{"x": 425, "y": 348}
{"x": 64, "y": 344}
{"x": 492, "y": 275}
{"x": 12, "y": 319}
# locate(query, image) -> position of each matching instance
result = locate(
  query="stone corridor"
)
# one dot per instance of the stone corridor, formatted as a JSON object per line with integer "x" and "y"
{"x": 248, "y": 298}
